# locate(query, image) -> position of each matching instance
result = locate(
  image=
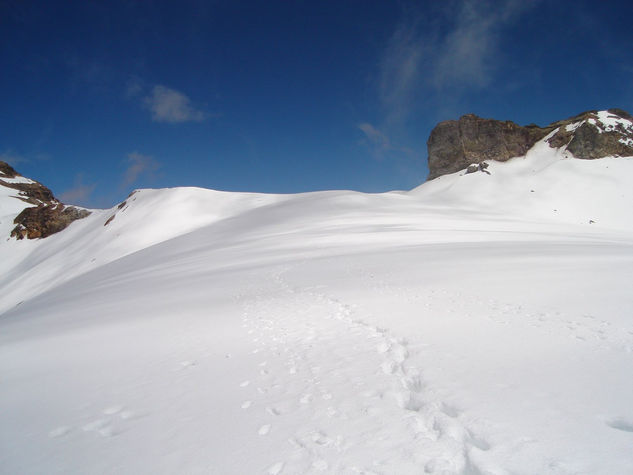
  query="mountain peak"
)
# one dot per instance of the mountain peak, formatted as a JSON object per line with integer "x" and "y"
{"x": 7, "y": 171}
{"x": 455, "y": 144}
{"x": 47, "y": 216}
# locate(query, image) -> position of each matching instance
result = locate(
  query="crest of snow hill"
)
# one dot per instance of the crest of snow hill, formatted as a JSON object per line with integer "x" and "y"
{"x": 47, "y": 215}
{"x": 457, "y": 144}
{"x": 453, "y": 145}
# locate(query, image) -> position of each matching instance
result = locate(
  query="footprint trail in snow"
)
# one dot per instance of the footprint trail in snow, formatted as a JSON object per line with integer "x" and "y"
{"x": 363, "y": 407}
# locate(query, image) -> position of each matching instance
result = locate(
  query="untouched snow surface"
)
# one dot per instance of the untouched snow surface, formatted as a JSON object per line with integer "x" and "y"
{"x": 479, "y": 324}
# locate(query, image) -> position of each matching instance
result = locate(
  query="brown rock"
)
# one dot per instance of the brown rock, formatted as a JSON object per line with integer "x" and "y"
{"x": 7, "y": 170}
{"x": 455, "y": 144}
{"x": 47, "y": 217}
{"x": 43, "y": 220}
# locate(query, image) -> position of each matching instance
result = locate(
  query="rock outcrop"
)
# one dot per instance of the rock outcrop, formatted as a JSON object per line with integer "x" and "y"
{"x": 455, "y": 144}
{"x": 47, "y": 216}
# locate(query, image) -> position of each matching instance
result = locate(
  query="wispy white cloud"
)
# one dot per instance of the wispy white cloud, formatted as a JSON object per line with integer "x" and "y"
{"x": 467, "y": 54}
{"x": 379, "y": 143}
{"x": 421, "y": 59}
{"x": 134, "y": 87}
{"x": 374, "y": 136}
{"x": 138, "y": 165}
{"x": 400, "y": 68}
{"x": 169, "y": 105}
{"x": 79, "y": 194}
{"x": 12, "y": 158}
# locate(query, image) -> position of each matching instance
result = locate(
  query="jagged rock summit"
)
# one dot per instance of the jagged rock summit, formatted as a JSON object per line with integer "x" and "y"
{"x": 47, "y": 215}
{"x": 455, "y": 144}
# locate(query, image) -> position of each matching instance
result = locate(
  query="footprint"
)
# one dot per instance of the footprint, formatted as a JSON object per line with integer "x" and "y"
{"x": 95, "y": 425}
{"x": 273, "y": 411}
{"x": 276, "y": 468}
{"x": 128, "y": 415}
{"x": 320, "y": 438}
{"x": 107, "y": 431}
{"x": 620, "y": 423}
{"x": 246, "y": 404}
{"x": 59, "y": 432}
{"x": 389, "y": 367}
{"x": 306, "y": 399}
{"x": 400, "y": 353}
{"x": 412, "y": 383}
{"x": 112, "y": 410}
{"x": 450, "y": 411}
{"x": 408, "y": 401}
{"x": 383, "y": 347}
{"x": 320, "y": 465}
{"x": 263, "y": 430}
{"x": 478, "y": 442}
{"x": 243, "y": 384}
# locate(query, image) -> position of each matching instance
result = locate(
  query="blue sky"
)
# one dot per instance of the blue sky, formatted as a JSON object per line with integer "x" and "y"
{"x": 99, "y": 98}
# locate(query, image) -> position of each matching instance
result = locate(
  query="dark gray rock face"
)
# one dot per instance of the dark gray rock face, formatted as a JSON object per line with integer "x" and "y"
{"x": 455, "y": 144}
{"x": 47, "y": 217}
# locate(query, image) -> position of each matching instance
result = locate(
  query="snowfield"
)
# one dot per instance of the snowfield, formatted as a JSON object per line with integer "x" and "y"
{"x": 479, "y": 324}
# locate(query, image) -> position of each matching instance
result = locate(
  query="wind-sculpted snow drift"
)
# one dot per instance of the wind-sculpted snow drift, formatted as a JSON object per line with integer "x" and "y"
{"x": 478, "y": 324}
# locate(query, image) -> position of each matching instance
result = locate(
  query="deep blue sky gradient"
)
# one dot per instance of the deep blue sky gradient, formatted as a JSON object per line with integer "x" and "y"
{"x": 286, "y": 96}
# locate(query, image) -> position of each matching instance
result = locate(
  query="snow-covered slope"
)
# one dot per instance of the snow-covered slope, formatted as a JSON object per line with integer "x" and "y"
{"x": 477, "y": 324}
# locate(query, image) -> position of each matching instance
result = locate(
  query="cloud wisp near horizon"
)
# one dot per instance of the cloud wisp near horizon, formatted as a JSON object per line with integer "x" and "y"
{"x": 421, "y": 62}
{"x": 286, "y": 97}
{"x": 137, "y": 166}
{"x": 169, "y": 105}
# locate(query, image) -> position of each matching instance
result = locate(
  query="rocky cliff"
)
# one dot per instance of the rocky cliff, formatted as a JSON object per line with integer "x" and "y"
{"x": 455, "y": 144}
{"x": 46, "y": 216}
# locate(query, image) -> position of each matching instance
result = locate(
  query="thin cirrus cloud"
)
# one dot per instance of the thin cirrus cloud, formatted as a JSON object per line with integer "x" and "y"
{"x": 379, "y": 143}
{"x": 164, "y": 103}
{"x": 79, "y": 194}
{"x": 12, "y": 158}
{"x": 171, "y": 106}
{"x": 419, "y": 60}
{"x": 138, "y": 165}
{"x": 374, "y": 137}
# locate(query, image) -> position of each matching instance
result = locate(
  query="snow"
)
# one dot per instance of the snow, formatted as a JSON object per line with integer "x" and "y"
{"x": 612, "y": 122}
{"x": 15, "y": 179}
{"x": 573, "y": 126}
{"x": 10, "y": 207}
{"x": 606, "y": 122}
{"x": 477, "y": 324}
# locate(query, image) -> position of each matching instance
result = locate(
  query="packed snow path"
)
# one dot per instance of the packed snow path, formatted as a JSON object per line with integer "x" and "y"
{"x": 350, "y": 390}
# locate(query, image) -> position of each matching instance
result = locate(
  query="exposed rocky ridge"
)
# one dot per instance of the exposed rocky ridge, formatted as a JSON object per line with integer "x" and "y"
{"x": 7, "y": 170}
{"x": 455, "y": 144}
{"x": 47, "y": 217}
